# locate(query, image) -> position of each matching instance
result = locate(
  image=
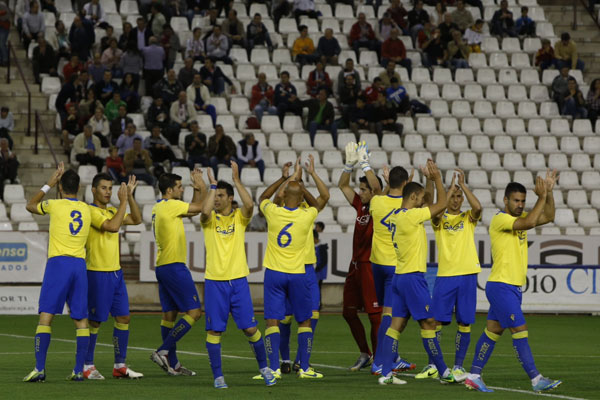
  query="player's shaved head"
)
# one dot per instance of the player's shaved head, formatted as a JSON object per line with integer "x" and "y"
{"x": 398, "y": 177}
{"x": 69, "y": 182}
{"x": 293, "y": 194}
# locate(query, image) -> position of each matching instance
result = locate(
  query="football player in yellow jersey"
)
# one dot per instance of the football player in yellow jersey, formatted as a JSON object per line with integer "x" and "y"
{"x": 411, "y": 297}
{"x": 508, "y": 235}
{"x": 64, "y": 278}
{"x": 176, "y": 287}
{"x": 285, "y": 274}
{"x": 226, "y": 287}
{"x": 107, "y": 292}
{"x": 455, "y": 287}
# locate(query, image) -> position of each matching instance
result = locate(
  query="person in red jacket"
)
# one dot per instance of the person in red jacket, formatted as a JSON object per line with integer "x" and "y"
{"x": 318, "y": 79}
{"x": 363, "y": 35}
{"x": 373, "y": 91}
{"x": 262, "y": 97}
{"x": 393, "y": 50}
{"x": 399, "y": 14}
{"x": 73, "y": 67}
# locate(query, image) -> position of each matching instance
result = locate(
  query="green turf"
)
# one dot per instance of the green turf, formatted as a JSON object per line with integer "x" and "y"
{"x": 565, "y": 347}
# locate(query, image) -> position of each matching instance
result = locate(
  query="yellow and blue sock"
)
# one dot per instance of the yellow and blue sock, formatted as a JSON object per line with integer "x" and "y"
{"x": 386, "y": 321}
{"x": 165, "y": 328}
{"x": 213, "y": 347}
{"x": 314, "y": 320}
{"x": 272, "y": 339}
{"x": 483, "y": 350}
{"x": 305, "y": 338}
{"x": 389, "y": 347}
{"x": 521, "y": 346}
{"x": 438, "y": 335}
{"x": 432, "y": 347}
{"x": 83, "y": 342}
{"x": 89, "y": 357}
{"x": 258, "y": 346}
{"x": 41, "y": 343}
{"x": 120, "y": 342}
{"x": 285, "y": 327}
{"x": 461, "y": 342}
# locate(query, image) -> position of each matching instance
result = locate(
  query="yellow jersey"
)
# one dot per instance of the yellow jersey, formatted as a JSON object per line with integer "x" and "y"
{"x": 311, "y": 253}
{"x": 410, "y": 239}
{"x": 509, "y": 250}
{"x": 169, "y": 233}
{"x": 102, "y": 247}
{"x": 224, "y": 239}
{"x": 69, "y": 226}
{"x": 382, "y": 208}
{"x": 455, "y": 237}
{"x": 288, "y": 229}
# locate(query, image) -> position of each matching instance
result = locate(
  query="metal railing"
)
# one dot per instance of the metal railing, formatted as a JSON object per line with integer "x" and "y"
{"x": 39, "y": 125}
{"x": 12, "y": 54}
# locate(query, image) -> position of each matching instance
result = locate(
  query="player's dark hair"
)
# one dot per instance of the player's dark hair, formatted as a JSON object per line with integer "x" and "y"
{"x": 398, "y": 176}
{"x": 226, "y": 186}
{"x": 103, "y": 176}
{"x": 70, "y": 182}
{"x": 320, "y": 224}
{"x": 410, "y": 188}
{"x": 315, "y": 234}
{"x": 514, "y": 187}
{"x": 363, "y": 179}
{"x": 167, "y": 181}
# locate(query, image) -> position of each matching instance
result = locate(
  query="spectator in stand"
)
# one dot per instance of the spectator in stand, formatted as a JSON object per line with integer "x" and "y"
{"x": 399, "y": 98}
{"x": 560, "y": 86}
{"x": 544, "y": 58}
{"x": 99, "y": 125}
{"x": 462, "y": 17}
{"x": 458, "y": 51}
{"x": 44, "y": 60}
{"x": 363, "y": 35}
{"x": 195, "y": 7}
{"x": 157, "y": 19}
{"x": 159, "y": 147}
{"x": 171, "y": 44}
{"x": 137, "y": 162}
{"x": 158, "y": 114}
{"x": 67, "y": 94}
{"x": 385, "y": 26}
{"x": 348, "y": 70}
{"x": 474, "y": 36}
{"x": 214, "y": 78}
{"x": 261, "y": 99}
{"x": 104, "y": 41}
{"x": 446, "y": 29}
{"x": 357, "y": 116}
{"x": 258, "y": 223}
{"x": 87, "y": 106}
{"x": 437, "y": 16}
{"x": 141, "y": 34}
{"x": 168, "y": 88}
{"x": 593, "y": 102}
{"x": 478, "y": 4}
{"x": 86, "y": 146}
{"x": 9, "y": 165}
{"x": 525, "y": 25}
{"x": 372, "y": 92}
{"x": 279, "y": 9}
{"x": 321, "y": 115}
{"x": 154, "y": 57}
{"x": 125, "y": 141}
{"x": 94, "y": 12}
{"x": 7, "y": 123}
{"x": 131, "y": 63}
{"x": 432, "y": 48}
{"x": 182, "y": 112}
{"x": 129, "y": 93}
{"x": 348, "y": 94}
{"x": 234, "y": 29}
{"x": 257, "y": 34}
{"x": 304, "y": 7}
{"x": 389, "y": 73}
{"x": 328, "y": 48}
{"x": 112, "y": 106}
{"x": 383, "y": 118}
{"x": 565, "y": 51}
{"x": 249, "y": 154}
{"x": 186, "y": 74}
{"x": 125, "y": 39}
{"x": 106, "y": 87}
{"x": 115, "y": 166}
{"x": 217, "y": 46}
{"x": 118, "y": 126}
{"x": 82, "y": 37}
{"x": 70, "y": 128}
{"x": 398, "y": 13}
{"x": 502, "y": 23}
{"x": 417, "y": 18}
{"x": 59, "y": 40}
{"x": 195, "y": 146}
{"x": 95, "y": 68}
{"x": 573, "y": 103}
{"x": 221, "y": 149}
{"x": 318, "y": 79}
{"x": 112, "y": 57}
{"x": 72, "y": 67}
{"x": 303, "y": 50}
{"x": 393, "y": 50}
{"x": 285, "y": 97}
{"x": 195, "y": 46}
{"x": 199, "y": 95}
{"x": 5, "y": 17}
{"x": 33, "y": 24}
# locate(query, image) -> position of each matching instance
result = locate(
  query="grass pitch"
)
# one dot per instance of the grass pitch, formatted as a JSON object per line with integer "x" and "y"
{"x": 565, "y": 347}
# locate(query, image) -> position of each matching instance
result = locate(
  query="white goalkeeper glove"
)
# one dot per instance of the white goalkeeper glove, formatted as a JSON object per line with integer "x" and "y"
{"x": 351, "y": 157}
{"x": 363, "y": 156}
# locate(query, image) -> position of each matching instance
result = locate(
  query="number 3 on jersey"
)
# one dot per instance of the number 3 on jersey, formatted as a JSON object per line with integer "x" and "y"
{"x": 284, "y": 234}
{"x": 385, "y": 221}
{"x": 76, "y": 215}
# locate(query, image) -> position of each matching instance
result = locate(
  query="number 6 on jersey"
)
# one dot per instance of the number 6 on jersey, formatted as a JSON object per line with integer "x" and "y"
{"x": 284, "y": 233}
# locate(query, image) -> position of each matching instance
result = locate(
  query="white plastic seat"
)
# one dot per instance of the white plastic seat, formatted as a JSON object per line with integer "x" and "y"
{"x": 477, "y": 60}
{"x": 520, "y": 61}
{"x": 531, "y": 45}
{"x": 184, "y": 172}
{"x": 50, "y": 85}
{"x": 588, "y": 217}
{"x": 473, "y": 92}
{"x": 286, "y": 156}
{"x": 544, "y": 30}
{"x": 590, "y": 179}
{"x": 470, "y": 126}
{"x": 525, "y": 144}
{"x": 14, "y": 193}
{"x": 442, "y": 76}
{"x": 400, "y": 158}
{"x": 390, "y": 142}
{"x": 511, "y": 45}
{"x": 513, "y": 161}
{"x": 483, "y": 109}
{"x": 145, "y": 195}
{"x": 517, "y": 93}
{"x": 581, "y": 162}
{"x": 527, "y": 109}
{"x": 330, "y": 23}
{"x": 337, "y": 198}
{"x": 436, "y": 143}
{"x": 507, "y": 76}
{"x": 495, "y": 93}
{"x": 301, "y": 141}
{"x": 271, "y": 175}
{"x": 558, "y": 162}
{"x": 343, "y": 11}
{"x": 429, "y": 91}
{"x": 568, "y": 179}
{"x": 525, "y": 178}
{"x": 535, "y": 162}
{"x": 478, "y": 179}
{"x": 368, "y": 58}
{"x": 246, "y": 72}
{"x": 292, "y": 123}
{"x": 323, "y": 141}
{"x": 498, "y": 60}
{"x": 250, "y": 177}
{"x": 371, "y": 139}
{"x": 458, "y": 143}
{"x": 260, "y": 56}
{"x": 445, "y": 160}
{"x": 420, "y": 75}
{"x": 582, "y": 127}
{"x": 461, "y": 108}
{"x": 564, "y": 217}
{"x": 484, "y": 196}
{"x": 570, "y": 145}
{"x": 591, "y": 145}
{"x": 413, "y": 142}
{"x": 343, "y": 139}
{"x": 463, "y": 76}
{"x": 468, "y": 161}
{"x": 487, "y": 215}
{"x": 28, "y": 227}
{"x": 480, "y": 144}
{"x": 499, "y": 179}
{"x": 86, "y": 173}
{"x": 239, "y": 55}
{"x": 332, "y": 159}
{"x": 486, "y": 76}
{"x": 420, "y": 160}
{"x": 426, "y": 126}
{"x": 547, "y": 144}
{"x": 279, "y": 141}
{"x": 449, "y": 126}
{"x": 503, "y": 144}
{"x": 490, "y": 162}
{"x": 505, "y": 109}
{"x": 577, "y": 199}
{"x": 19, "y": 213}
{"x": 439, "y": 108}
{"x": 346, "y": 215}
{"x": 493, "y": 127}
{"x": 450, "y": 91}
{"x": 128, "y": 7}
{"x": 530, "y": 77}
{"x": 378, "y": 159}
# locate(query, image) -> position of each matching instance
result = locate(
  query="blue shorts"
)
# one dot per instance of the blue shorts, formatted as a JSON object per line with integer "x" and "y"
{"x": 224, "y": 297}
{"x": 280, "y": 286}
{"x": 411, "y": 296}
{"x": 505, "y": 304}
{"x": 176, "y": 288}
{"x": 458, "y": 294}
{"x": 313, "y": 283}
{"x": 383, "y": 276}
{"x": 107, "y": 293}
{"x": 65, "y": 280}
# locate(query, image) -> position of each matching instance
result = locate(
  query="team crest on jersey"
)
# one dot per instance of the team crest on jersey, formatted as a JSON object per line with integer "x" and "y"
{"x": 364, "y": 220}
{"x": 195, "y": 298}
{"x": 226, "y": 231}
{"x": 512, "y": 317}
{"x": 427, "y": 308}
{"x": 375, "y": 304}
{"x": 454, "y": 228}
{"x": 522, "y": 235}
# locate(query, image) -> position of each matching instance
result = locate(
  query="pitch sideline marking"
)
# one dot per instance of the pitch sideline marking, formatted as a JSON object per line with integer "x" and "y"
{"x": 194, "y": 353}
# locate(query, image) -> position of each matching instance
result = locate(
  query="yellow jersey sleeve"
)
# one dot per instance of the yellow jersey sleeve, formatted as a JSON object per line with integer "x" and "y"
{"x": 44, "y": 207}
{"x": 102, "y": 246}
{"x": 311, "y": 253}
{"x": 455, "y": 237}
{"x": 382, "y": 208}
{"x": 69, "y": 227}
{"x": 169, "y": 233}
{"x": 410, "y": 239}
{"x": 98, "y": 217}
{"x": 509, "y": 250}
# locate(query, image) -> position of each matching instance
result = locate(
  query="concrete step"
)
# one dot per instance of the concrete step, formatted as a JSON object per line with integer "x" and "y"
{"x": 42, "y": 160}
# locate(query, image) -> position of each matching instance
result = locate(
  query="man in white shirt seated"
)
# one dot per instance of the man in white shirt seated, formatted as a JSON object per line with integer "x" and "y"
{"x": 249, "y": 154}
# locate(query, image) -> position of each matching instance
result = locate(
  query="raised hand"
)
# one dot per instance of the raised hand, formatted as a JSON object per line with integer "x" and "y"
{"x": 386, "y": 174}
{"x": 434, "y": 170}
{"x": 196, "y": 177}
{"x": 461, "y": 177}
{"x": 551, "y": 179}
{"x": 310, "y": 164}
{"x": 425, "y": 171}
{"x": 411, "y": 175}
{"x": 297, "y": 176}
{"x": 351, "y": 154}
{"x": 285, "y": 171}
{"x": 235, "y": 171}
{"x": 131, "y": 185}
{"x": 540, "y": 187}
{"x": 453, "y": 188}
{"x": 363, "y": 154}
{"x": 123, "y": 192}
{"x": 211, "y": 178}
{"x": 60, "y": 170}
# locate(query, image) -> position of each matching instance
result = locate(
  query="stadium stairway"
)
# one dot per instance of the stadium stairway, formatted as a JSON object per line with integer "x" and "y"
{"x": 587, "y": 34}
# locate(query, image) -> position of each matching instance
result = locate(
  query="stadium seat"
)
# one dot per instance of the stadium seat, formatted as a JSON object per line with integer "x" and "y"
{"x": 468, "y": 161}
{"x": 486, "y": 76}
{"x": 368, "y": 58}
{"x": 270, "y": 123}
{"x": 420, "y": 159}
{"x": 535, "y": 162}
{"x": 513, "y": 161}
{"x": 588, "y": 217}
{"x": 495, "y": 93}
{"x": 525, "y": 178}
{"x": 582, "y": 127}
{"x": 461, "y": 109}
{"x": 564, "y": 217}
{"x": 547, "y": 144}
{"x": 413, "y": 142}
{"x": 470, "y": 126}
{"x": 488, "y": 214}
{"x": 442, "y": 76}
{"x": 549, "y": 110}
{"x": 184, "y": 172}
{"x": 531, "y": 45}
{"x": 281, "y": 56}
{"x": 480, "y": 144}
{"x": 128, "y": 7}
{"x": 464, "y": 76}
{"x": 420, "y": 75}
{"x": 484, "y": 196}
{"x": 450, "y": 91}
{"x": 292, "y": 124}
{"x": 14, "y": 193}
{"x": 507, "y": 76}
{"x": 391, "y": 142}
{"x": 337, "y": 198}
{"x": 498, "y": 60}
{"x": 548, "y": 76}
{"x": 343, "y": 11}
{"x": 503, "y": 144}
{"x": 426, "y": 126}
{"x": 590, "y": 179}
{"x": 250, "y": 177}
{"x": 577, "y": 199}
{"x": 439, "y": 108}
{"x": 591, "y": 145}
{"x": 458, "y": 143}
{"x": 301, "y": 141}
{"x": 332, "y": 159}
{"x": 449, "y": 126}
{"x": 477, "y": 60}
{"x": 558, "y": 162}
{"x": 489, "y": 45}
{"x": 537, "y": 127}
{"x": 429, "y": 91}
{"x": 239, "y": 106}
{"x": 530, "y": 77}
{"x": 18, "y": 213}
{"x": 483, "y": 109}
{"x": 144, "y": 195}
{"x": 346, "y": 215}
{"x": 550, "y": 230}
{"x": 511, "y": 45}
{"x": 520, "y": 61}
{"x": 325, "y": 215}
{"x": 50, "y": 85}
{"x": 517, "y": 93}
{"x": 490, "y": 161}
{"x": 499, "y": 179}
{"x": 343, "y": 139}
{"x": 286, "y": 156}
{"x": 401, "y": 158}
{"x": 568, "y": 179}
{"x": 445, "y": 160}
{"x": 570, "y": 145}
{"x": 86, "y": 173}
{"x": 527, "y": 109}
{"x": 514, "y": 127}
{"x": 581, "y": 162}
{"x": 525, "y": 144}
{"x": 505, "y": 109}
{"x": 435, "y": 143}
{"x": 28, "y": 227}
